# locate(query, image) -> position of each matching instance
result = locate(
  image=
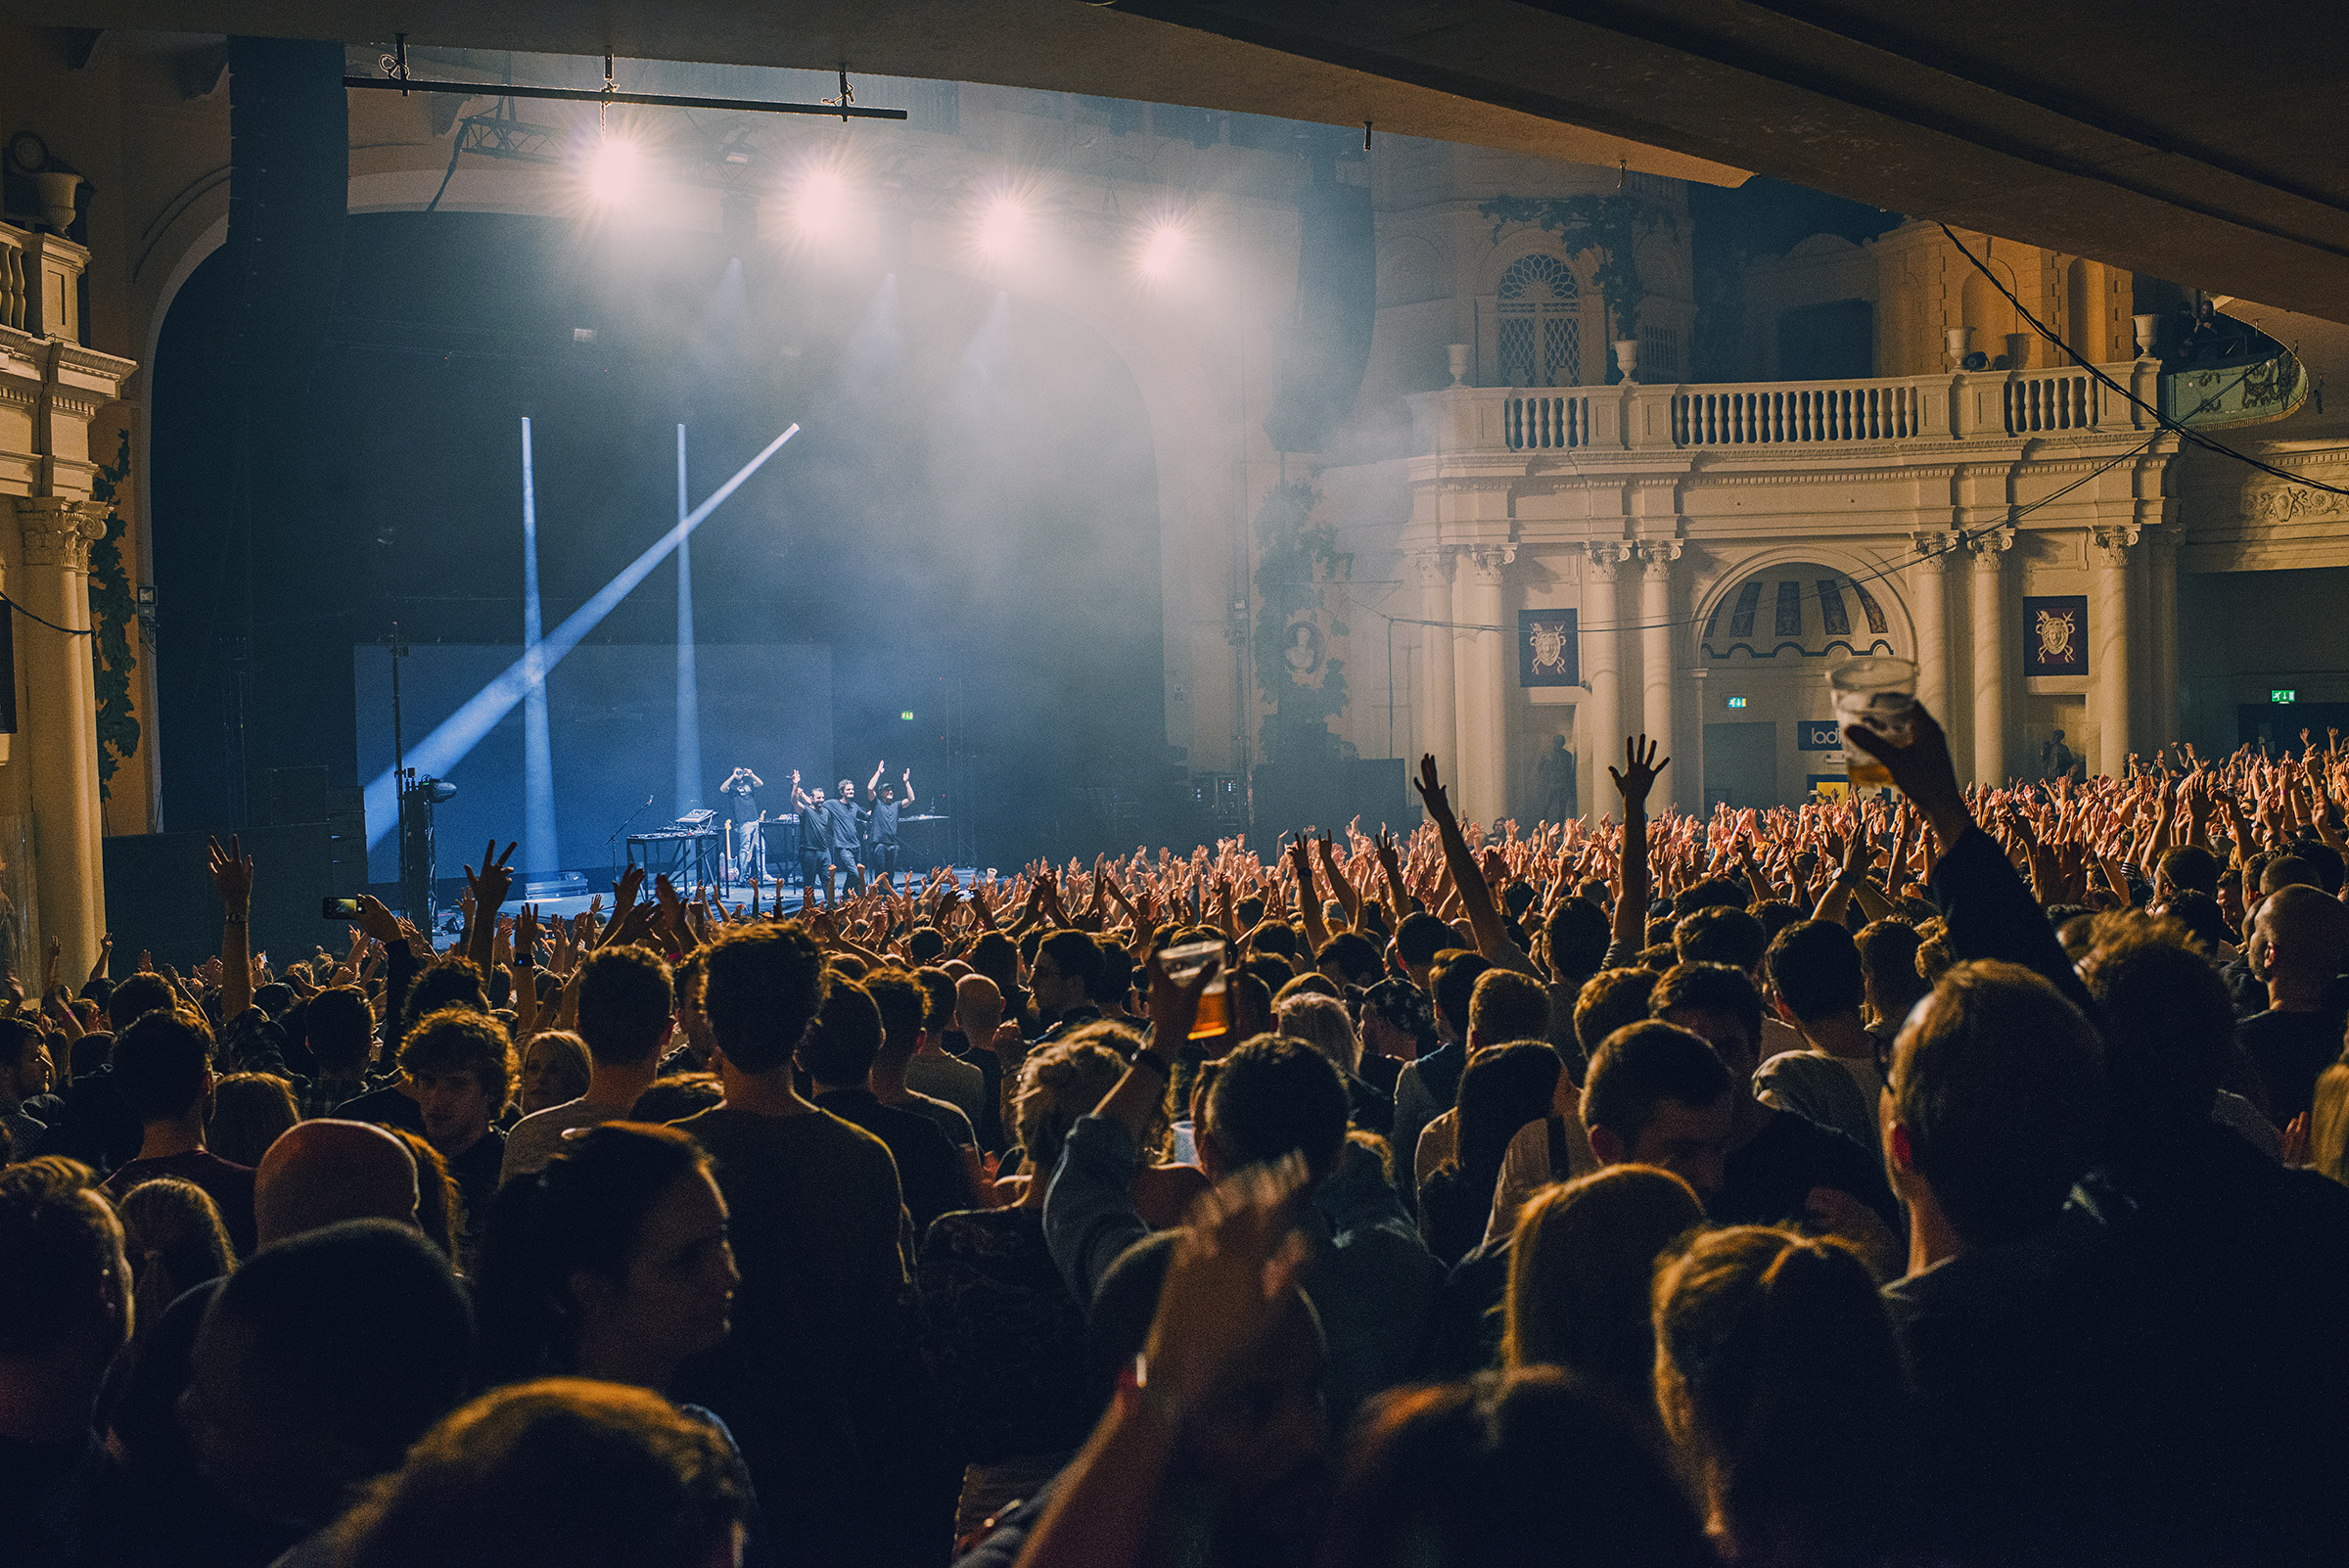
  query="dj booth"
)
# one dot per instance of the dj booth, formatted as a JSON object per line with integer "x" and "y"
{"x": 689, "y": 856}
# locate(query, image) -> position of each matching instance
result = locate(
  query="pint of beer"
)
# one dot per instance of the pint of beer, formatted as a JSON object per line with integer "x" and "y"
{"x": 1182, "y": 964}
{"x": 1876, "y": 694}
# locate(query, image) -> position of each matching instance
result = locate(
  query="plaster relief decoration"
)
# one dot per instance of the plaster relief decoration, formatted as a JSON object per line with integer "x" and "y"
{"x": 1547, "y": 652}
{"x": 2056, "y": 634}
{"x": 2283, "y": 503}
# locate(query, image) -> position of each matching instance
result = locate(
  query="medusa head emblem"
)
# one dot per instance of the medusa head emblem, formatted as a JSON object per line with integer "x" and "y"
{"x": 1550, "y": 647}
{"x": 2057, "y": 630}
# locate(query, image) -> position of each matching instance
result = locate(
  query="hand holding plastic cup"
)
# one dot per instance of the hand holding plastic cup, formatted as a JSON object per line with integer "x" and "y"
{"x": 1876, "y": 694}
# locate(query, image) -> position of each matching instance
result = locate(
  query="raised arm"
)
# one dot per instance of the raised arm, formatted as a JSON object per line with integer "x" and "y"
{"x": 874, "y": 783}
{"x": 488, "y": 888}
{"x": 1467, "y": 880}
{"x": 232, "y": 875}
{"x": 1632, "y": 782}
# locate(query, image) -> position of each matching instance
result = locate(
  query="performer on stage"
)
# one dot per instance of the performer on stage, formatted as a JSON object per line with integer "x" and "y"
{"x": 881, "y": 822}
{"x": 743, "y": 810}
{"x": 815, "y": 836}
{"x": 846, "y": 835}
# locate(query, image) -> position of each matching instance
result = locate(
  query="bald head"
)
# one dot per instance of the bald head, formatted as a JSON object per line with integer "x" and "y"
{"x": 978, "y": 1008}
{"x": 320, "y": 1173}
{"x": 2301, "y": 934}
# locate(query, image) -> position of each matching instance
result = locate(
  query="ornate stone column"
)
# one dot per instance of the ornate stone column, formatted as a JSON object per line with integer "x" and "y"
{"x": 1990, "y": 655}
{"x": 1929, "y": 593}
{"x": 2161, "y": 570}
{"x": 1434, "y": 725}
{"x": 1482, "y": 683}
{"x": 1599, "y": 728}
{"x": 58, "y": 729}
{"x": 2108, "y": 643}
{"x": 1655, "y": 651}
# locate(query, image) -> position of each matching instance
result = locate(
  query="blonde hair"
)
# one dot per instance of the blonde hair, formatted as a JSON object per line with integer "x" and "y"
{"x": 577, "y": 1063}
{"x": 249, "y": 1111}
{"x": 1780, "y": 1382}
{"x": 174, "y": 1238}
{"x": 2328, "y": 1124}
{"x": 1321, "y": 1022}
{"x": 1059, "y": 1083}
{"x": 1582, "y": 1264}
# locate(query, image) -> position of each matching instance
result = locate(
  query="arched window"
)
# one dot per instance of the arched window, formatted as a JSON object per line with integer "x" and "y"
{"x": 1541, "y": 324}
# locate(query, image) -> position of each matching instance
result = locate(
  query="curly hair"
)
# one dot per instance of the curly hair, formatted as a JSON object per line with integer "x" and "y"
{"x": 459, "y": 1039}
{"x": 1063, "y": 1082}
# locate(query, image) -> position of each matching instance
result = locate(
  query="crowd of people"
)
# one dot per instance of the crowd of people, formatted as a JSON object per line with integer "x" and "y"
{"x": 1954, "y": 1176}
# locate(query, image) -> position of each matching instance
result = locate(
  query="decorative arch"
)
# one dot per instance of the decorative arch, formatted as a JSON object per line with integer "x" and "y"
{"x": 1874, "y": 612}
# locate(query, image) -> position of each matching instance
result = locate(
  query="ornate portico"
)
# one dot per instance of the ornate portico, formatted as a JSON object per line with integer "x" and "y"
{"x": 1772, "y": 530}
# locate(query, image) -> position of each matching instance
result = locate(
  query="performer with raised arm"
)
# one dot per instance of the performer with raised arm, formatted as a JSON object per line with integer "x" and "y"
{"x": 744, "y": 814}
{"x": 815, "y": 835}
{"x": 881, "y": 822}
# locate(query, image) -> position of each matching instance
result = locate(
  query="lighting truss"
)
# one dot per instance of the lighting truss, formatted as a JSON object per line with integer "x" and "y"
{"x": 399, "y": 81}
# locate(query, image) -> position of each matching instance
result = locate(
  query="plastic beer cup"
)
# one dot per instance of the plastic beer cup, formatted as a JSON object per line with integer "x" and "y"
{"x": 1875, "y": 694}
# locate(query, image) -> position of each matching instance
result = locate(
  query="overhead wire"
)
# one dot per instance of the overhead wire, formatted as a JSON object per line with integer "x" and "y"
{"x": 2186, "y": 431}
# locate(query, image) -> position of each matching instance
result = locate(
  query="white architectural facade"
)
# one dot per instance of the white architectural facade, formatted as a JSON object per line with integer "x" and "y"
{"x": 1934, "y": 518}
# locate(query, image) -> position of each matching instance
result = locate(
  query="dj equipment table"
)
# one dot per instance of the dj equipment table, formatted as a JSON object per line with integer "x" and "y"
{"x": 688, "y": 857}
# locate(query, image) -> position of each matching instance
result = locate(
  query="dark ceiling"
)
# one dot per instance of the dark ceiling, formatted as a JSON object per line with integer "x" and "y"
{"x": 2164, "y": 137}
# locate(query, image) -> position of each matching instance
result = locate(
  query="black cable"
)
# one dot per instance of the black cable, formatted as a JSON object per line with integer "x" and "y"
{"x": 454, "y": 148}
{"x": 51, "y": 624}
{"x": 2166, "y": 421}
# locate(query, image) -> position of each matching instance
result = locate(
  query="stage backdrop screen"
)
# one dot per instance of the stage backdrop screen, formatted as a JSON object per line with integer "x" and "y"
{"x": 612, "y": 728}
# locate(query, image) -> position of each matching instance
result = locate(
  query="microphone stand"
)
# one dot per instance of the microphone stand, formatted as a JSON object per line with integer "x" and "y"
{"x": 623, "y": 828}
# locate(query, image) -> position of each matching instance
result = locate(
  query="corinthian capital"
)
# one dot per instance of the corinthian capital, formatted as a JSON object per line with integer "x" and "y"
{"x": 2113, "y": 546}
{"x": 1933, "y": 548}
{"x": 1432, "y": 567}
{"x": 1988, "y": 544}
{"x": 60, "y": 530}
{"x": 1656, "y": 556}
{"x": 1604, "y": 559}
{"x": 1488, "y": 559}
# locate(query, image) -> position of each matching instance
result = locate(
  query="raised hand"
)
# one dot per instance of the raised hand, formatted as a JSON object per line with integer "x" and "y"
{"x": 1639, "y": 770}
{"x": 1431, "y": 788}
{"x": 232, "y": 873}
{"x": 488, "y": 886}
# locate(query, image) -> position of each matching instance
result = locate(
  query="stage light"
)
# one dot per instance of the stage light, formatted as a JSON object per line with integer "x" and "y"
{"x": 689, "y": 693}
{"x": 613, "y": 169}
{"x": 541, "y": 851}
{"x": 823, "y": 199}
{"x": 455, "y": 737}
{"x": 1162, "y": 251}
{"x": 1001, "y": 227}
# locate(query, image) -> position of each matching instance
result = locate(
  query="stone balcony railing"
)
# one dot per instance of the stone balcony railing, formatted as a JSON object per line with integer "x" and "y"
{"x": 1881, "y": 413}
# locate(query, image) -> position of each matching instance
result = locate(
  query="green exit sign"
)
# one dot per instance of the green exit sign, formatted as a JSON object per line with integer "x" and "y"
{"x": 2283, "y": 694}
{"x": 907, "y": 716}
{"x": 1736, "y": 701}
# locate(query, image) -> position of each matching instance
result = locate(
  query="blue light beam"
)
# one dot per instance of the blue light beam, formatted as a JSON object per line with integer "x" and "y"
{"x": 689, "y": 696}
{"x": 541, "y": 854}
{"x": 458, "y": 734}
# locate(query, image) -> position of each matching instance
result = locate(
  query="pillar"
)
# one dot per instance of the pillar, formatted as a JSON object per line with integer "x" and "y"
{"x": 58, "y": 729}
{"x": 1989, "y": 655}
{"x": 1476, "y": 599}
{"x": 2161, "y": 573}
{"x": 1655, "y": 651}
{"x": 1434, "y": 726}
{"x": 1486, "y": 686}
{"x": 1598, "y": 730}
{"x": 1929, "y": 593}
{"x": 2108, "y": 644}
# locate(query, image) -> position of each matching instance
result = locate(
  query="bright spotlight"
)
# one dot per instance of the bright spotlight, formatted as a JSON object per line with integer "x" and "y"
{"x": 612, "y": 168}
{"x": 822, "y": 201}
{"x": 1163, "y": 249}
{"x": 1000, "y": 229}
